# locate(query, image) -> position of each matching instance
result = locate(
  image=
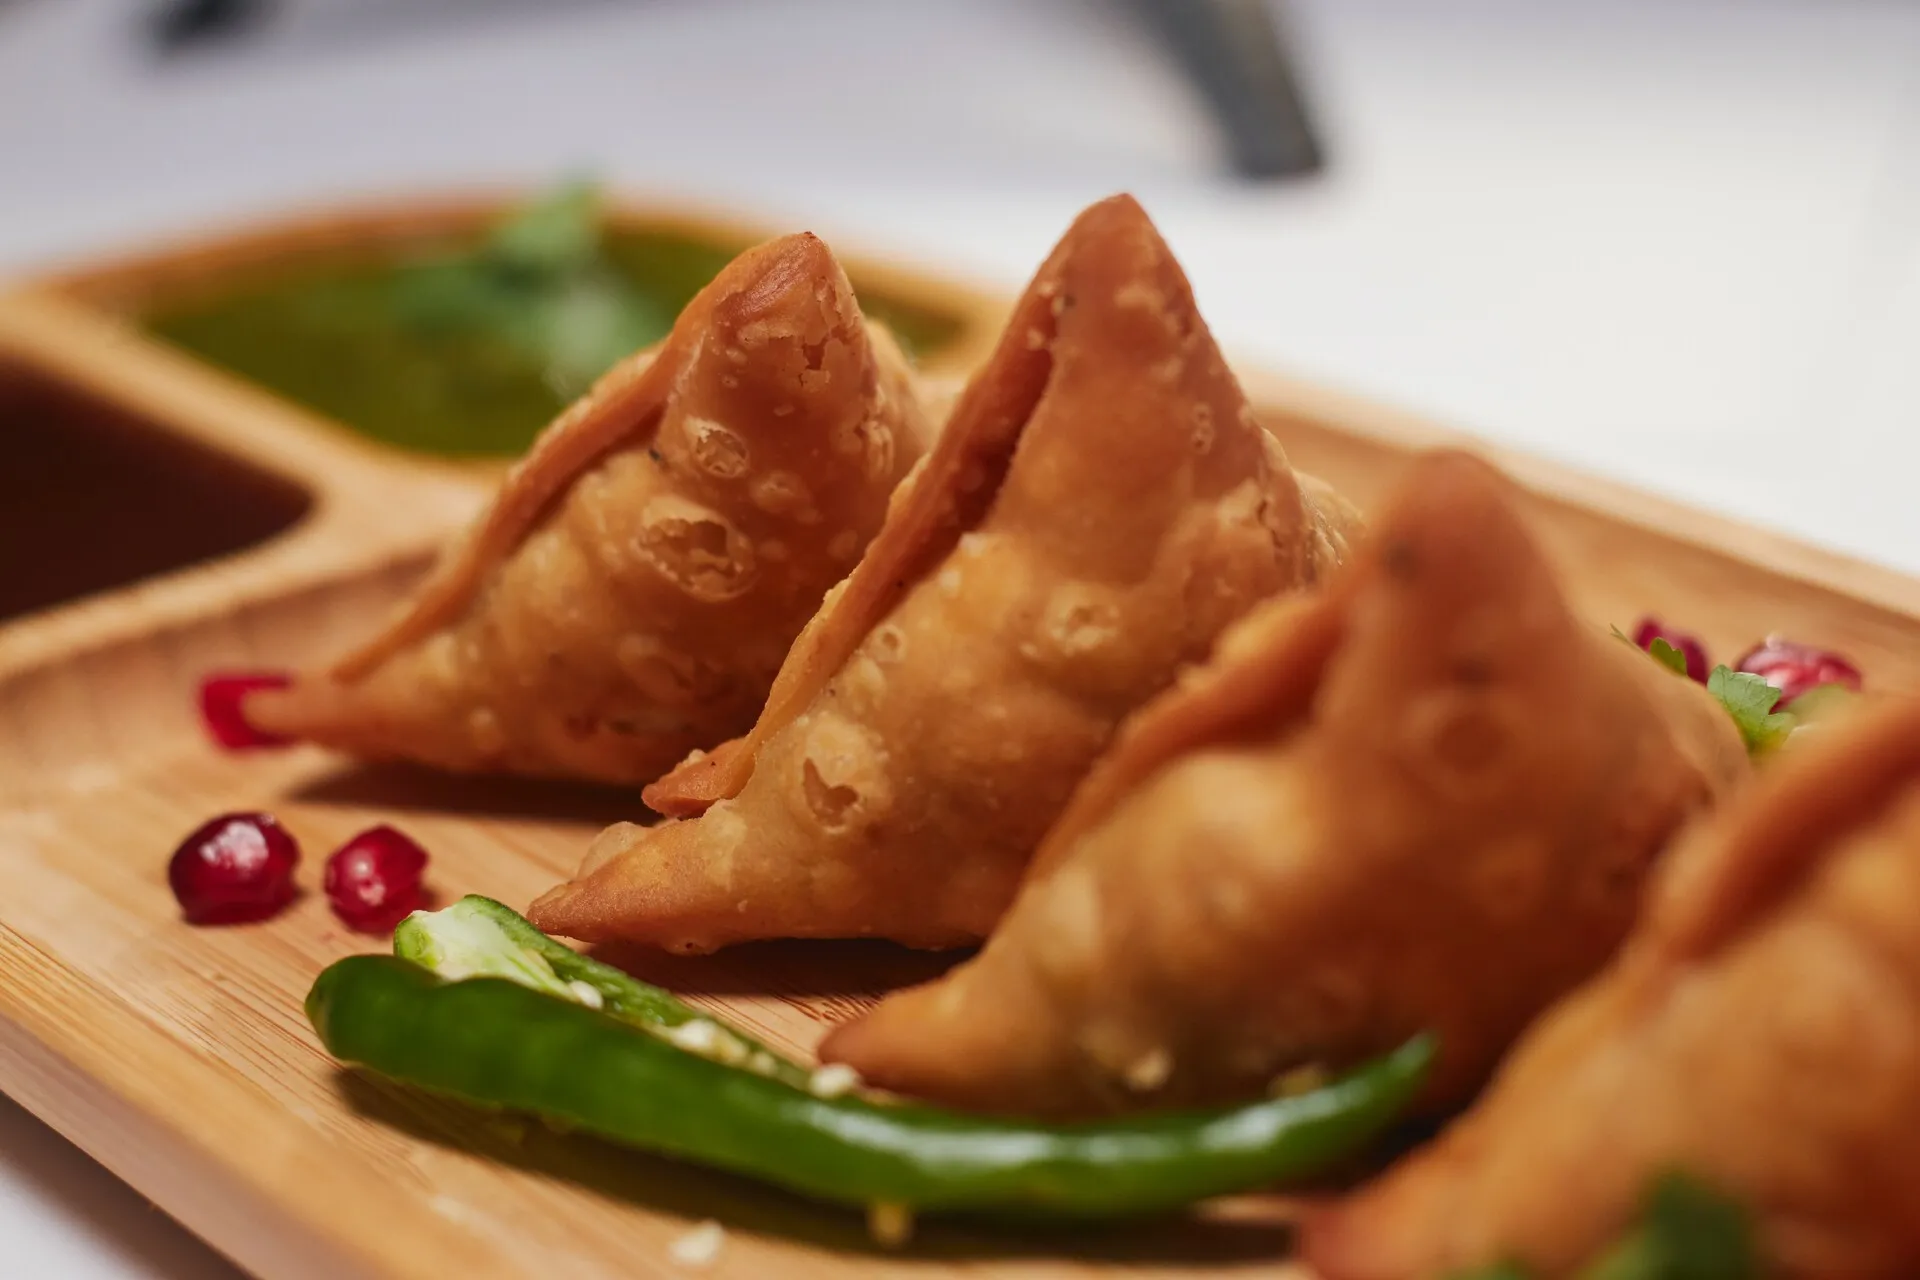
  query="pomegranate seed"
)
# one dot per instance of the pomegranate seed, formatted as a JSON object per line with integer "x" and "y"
{"x": 221, "y": 697}
{"x": 1651, "y": 629}
{"x": 235, "y": 868}
{"x": 1793, "y": 669}
{"x": 373, "y": 880}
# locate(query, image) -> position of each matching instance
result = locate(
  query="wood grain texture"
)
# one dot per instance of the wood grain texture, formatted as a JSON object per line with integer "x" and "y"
{"x": 181, "y": 1057}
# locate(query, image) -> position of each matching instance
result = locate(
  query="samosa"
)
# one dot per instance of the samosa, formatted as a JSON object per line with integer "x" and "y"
{"x": 1423, "y": 799}
{"x": 1101, "y": 504}
{"x": 638, "y": 580}
{"x": 1759, "y": 1036}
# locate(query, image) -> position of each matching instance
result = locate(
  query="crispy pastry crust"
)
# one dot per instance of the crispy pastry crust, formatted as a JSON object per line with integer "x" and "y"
{"x": 1761, "y": 1032}
{"x": 636, "y": 583}
{"x": 1101, "y": 504}
{"x": 1423, "y": 799}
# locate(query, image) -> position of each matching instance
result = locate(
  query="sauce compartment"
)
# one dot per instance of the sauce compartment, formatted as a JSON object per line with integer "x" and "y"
{"x": 93, "y": 496}
{"x": 379, "y": 322}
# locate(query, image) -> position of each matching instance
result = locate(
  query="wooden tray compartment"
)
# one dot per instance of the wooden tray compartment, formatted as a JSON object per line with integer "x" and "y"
{"x": 676, "y": 249}
{"x": 366, "y": 507}
{"x": 360, "y": 520}
{"x": 180, "y": 1057}
{"x": 120, "y": 498}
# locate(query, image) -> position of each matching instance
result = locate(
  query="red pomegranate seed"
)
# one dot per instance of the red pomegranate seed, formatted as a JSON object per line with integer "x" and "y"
{"x": 235, "y": 868}
{"x": 1795, "y": 668}
{"x": 373, "y": 880}
{"x": 221, "y": 696}
{"x": 1651, "y": 629}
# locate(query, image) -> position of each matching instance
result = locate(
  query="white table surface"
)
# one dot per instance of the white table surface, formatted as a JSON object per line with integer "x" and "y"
{"x": 1670, "y": 240}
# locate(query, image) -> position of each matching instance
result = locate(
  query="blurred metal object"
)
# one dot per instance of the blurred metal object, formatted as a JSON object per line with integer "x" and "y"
{"x": 1236, "y": 55}
{"x": 179, "y": 24}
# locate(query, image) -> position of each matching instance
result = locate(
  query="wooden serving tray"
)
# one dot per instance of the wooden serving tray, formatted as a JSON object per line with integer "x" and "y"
{"x": 181, "y": 1058}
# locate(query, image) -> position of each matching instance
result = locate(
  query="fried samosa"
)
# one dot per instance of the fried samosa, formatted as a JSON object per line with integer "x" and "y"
{"x": 1760, "y": 1033}
{"x": 639, "y": 578}
{"x": 1423, "y": 799}
{"x": 1101, "y": 504}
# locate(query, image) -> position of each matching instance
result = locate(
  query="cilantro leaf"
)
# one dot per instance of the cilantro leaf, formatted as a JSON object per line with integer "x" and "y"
{"x": 587, "y": 325}
{"x": 1660, "y": 649}
{"x": 540, "y": 288}
{"x": 1750, "y": 701}
{"x": 1702, "y": 1233}
{"x": 1668, "y": 656}
{"x": 557, "y": 234}
{"x": 1687, "y": 1231}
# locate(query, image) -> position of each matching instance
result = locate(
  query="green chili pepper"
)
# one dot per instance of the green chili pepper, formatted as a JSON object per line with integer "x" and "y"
{"x": 501, "y": 1044}
{"x": 478, "y": 937}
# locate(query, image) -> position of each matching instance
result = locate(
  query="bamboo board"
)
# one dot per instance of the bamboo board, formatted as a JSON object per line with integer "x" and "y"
{"x": 181, "y": 1057}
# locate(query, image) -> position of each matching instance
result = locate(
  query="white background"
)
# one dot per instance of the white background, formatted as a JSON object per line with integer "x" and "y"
{"x": 1674, "y": 241}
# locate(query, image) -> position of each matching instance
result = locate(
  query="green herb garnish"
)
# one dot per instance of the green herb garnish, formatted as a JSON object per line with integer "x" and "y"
{"x": 1687, "y": 1231}
{"x": 1668, "y": 656}
{"x": 542, "y": 284}
{"x": 556, "y": 233}
{"x": 1750, "y": 700}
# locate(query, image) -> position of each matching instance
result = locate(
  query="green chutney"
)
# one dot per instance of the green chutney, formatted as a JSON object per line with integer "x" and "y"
{"x": 346, "y": 341}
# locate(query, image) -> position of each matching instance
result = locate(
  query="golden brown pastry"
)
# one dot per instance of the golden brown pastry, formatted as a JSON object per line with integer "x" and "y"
{"x": 1423, "y": 799}
{"x": 1760, "y": 1032}
{"x": 637, "y": 582}
{"x": 1101, "y": 504}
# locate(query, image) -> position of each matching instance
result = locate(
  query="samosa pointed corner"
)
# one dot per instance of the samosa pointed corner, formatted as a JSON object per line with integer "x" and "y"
{"x": 1102, "y": 503}
{"x": 1369, "y": 815}
{"x": 633, "y": 588}
{"x": 924, "y": 1042}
